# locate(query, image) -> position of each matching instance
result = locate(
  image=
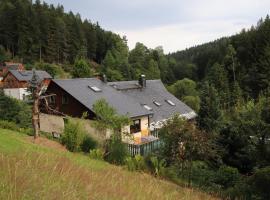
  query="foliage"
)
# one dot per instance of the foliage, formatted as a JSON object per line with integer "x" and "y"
{"x": 158, "y": 165}
{"x": 135, "y": 163}
{"x": 182, "y": 141}
{"x": 15, "y": 111}
{"x": 226, "y": 177}
{"x": 184, "y": 87}
{"x": 217, "y": 77}
{"x": 260, "y": 183}
{"x": 193, "y": 102}
{"x": 116, "y": 150}
{"x": 130, "y": 164}
{"x": 73, "y": 136}
{"x": 186, "y": 90}
{"x": 81, "y": 69}
{"x": 209, "y": 116}
{"x": 244, "y": 57}
{"x": 96, "y": 154}
{"x": 9, "y": 125}
{"x": 88, "y": 143}
{"x": 56, "y": 71}
{"x": 108, "y": 118}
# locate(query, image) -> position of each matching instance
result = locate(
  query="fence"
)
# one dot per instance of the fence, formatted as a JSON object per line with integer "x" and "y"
{"x": 145, "y": 148}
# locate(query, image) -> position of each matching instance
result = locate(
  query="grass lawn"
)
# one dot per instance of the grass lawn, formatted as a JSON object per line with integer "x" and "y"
{"x": 31, "y": 171}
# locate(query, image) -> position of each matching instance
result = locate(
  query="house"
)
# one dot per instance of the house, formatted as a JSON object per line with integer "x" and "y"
{"x": 15, "y": 82}
{"x": 153, "y": 96}
{"x": 5, "y": 67}
{"x": 146, "y": 102}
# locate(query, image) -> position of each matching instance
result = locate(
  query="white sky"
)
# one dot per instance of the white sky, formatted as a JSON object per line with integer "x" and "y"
{"x": 173, "y": 24}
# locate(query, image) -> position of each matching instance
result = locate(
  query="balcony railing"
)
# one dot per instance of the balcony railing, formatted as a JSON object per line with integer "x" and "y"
{"x": 148, "y": 144}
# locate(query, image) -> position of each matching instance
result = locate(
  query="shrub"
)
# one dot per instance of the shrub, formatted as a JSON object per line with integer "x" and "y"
{"x": 158, "y": 165}
{"x": 130, "y": 164}
{"x": 15, "y": 111}
{"x": 136, "y": 163}
{"x": 73, "y": 136}
{"x": 227, "y": 176}
{"x": 260, "y": 183}
{"x": 9, "y": 125}
{"x": 88, "y": 144}
{"x": 116, "y": 151}
{"x": 96, "y": 154}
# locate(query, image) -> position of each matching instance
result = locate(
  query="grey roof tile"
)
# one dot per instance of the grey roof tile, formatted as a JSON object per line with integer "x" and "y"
{"x": 79, "y": 89}
{"x": 27, "y": 75}
{"x": 154, "y": 91}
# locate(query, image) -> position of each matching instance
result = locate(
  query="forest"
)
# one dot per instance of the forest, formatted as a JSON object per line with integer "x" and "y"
{"x": 226, "y": 81}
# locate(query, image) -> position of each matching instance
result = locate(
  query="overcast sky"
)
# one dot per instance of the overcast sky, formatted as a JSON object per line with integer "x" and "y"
{"x": 173, "y": 24}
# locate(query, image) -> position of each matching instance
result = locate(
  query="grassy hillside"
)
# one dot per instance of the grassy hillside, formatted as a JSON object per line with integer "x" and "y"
{"x": 31, "y": 171}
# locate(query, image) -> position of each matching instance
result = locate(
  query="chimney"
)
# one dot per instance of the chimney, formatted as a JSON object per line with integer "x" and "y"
{"x": 104, "y": 78}
{"x": 142, "y": 81}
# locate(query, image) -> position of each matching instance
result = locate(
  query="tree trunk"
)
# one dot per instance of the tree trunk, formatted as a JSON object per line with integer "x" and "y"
{"x": 35, "y": 114}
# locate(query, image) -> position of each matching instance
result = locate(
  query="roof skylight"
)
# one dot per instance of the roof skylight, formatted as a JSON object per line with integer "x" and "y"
{"x": 147, "y": 107}
{"x": 170, "y": 102}
{"x": 94, "y": 88}
{"x": 157, "y": 103}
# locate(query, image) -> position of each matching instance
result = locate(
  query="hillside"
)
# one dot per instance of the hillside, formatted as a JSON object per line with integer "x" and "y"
{"x": 30, "y": 171}
{"x": 244, "y": 57}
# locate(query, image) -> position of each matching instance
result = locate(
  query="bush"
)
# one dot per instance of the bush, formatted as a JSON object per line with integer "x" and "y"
{"x": 73, "y": 136}
{"x": 88, "y": 144}
{"x": 9, "y": 125}
{"x": 130, "y": 164}
{"x": 96, "y": 154}
{"x": 260, "y": 183}
{"x": 158, "y": 166}
{"x": 227, "y": 176}
{"x": 136, "y": 163}
{"x": 15, "y": 111}
{"x": 116, "y": 151}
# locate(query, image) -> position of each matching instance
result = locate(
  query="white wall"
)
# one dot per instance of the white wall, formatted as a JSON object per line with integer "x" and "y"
{"x": 17, "y": 93}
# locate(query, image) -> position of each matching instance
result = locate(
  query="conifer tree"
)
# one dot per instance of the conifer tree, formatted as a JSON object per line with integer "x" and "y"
{"x": 209, "y": 115}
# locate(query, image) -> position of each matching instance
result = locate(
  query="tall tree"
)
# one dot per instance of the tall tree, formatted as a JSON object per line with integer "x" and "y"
{"x": 209, "y": 115}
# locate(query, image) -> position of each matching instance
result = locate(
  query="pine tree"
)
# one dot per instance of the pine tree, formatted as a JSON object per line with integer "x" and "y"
{"x": 209, "y": 115}
{"x": 217, "y": 77}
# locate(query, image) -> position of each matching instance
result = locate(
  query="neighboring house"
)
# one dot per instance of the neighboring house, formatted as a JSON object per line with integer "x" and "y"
{"x": 10, "y": 66}
{"x": 146, "y": 102}
{"x": 15, "y": 83}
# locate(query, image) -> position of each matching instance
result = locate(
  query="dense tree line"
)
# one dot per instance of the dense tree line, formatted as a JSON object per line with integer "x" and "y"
{"x": 38, "y": 31}
{"x": 242, "y": 59}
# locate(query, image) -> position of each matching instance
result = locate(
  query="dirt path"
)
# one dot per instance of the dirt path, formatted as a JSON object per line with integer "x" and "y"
{"x": 47, "y": 143}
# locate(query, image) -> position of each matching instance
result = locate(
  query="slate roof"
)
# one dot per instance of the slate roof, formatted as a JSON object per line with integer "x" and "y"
{"x": 79, "y": 89}
{"x": 154, "y": 91}
{"x": 27, "y": 75}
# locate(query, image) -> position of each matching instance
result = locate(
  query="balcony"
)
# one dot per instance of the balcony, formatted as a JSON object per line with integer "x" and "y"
{"x": 145, "y": 144}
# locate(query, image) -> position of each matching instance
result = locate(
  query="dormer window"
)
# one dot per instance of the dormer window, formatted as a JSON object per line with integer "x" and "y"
{"x": 94, "y": 88}
{"x": 147, "y": 107}
{"x": 170, "y": 102}
{"x": 157, "y": 103}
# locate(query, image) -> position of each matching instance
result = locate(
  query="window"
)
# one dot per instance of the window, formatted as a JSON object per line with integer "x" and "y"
{"x": 170, "y": 102}
{"x": 64, "y": 99}
{"x": 136, "y": 126}
{"x": 51, "y": 100}
{"x": 94, "y": 88}
{"x": 157, "y": 103}
{"x": 147, "y": 107}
